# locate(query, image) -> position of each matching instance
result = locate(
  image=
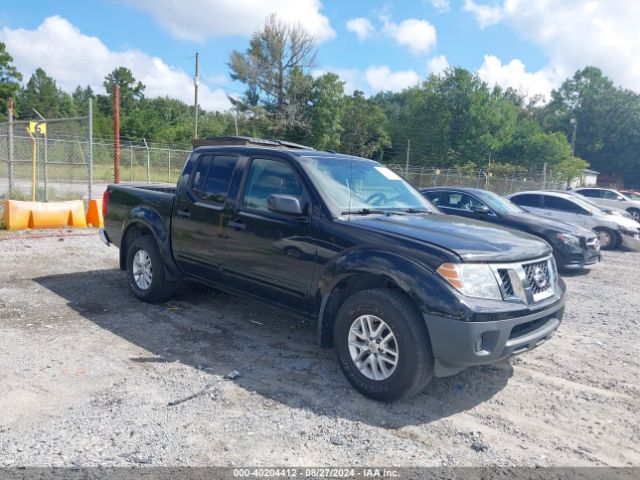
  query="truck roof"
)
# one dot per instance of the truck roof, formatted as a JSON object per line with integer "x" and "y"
{"x": 235, "y": 143}
{"x": 239, "y": 140}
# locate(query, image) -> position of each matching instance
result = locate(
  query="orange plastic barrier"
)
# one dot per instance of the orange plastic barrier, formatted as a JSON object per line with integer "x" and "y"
{"x": 16, "y": 215}
{"x": 94, "y": 214}
{"x": 21, "y": 215}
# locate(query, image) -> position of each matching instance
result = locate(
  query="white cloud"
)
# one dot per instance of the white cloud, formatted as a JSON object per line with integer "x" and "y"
{"x": 441, "y": 5}
{"x": 514, "y": 75}
{"x": 576, "y": 33}
{"x": 361, "y": 26}
{"x": 485, "y": 14}
{"x": 73, "y": 58}
{"x": 437, "y": 65}
{"x": 383, "y": 78}
{"x": 198, "y": 20}
{"x": 418, "y": 35}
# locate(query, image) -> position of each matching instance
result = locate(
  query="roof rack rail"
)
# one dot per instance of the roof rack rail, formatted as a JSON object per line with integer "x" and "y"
{"x": 247, "y": 141}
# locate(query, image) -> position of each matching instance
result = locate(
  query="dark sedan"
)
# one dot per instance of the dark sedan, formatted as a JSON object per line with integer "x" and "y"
{"x": 574, "y": 247}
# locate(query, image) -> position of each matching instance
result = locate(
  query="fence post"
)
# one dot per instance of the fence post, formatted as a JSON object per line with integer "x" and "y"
{"x": 131, "y": 163}
{"x": 90, "y": 158}
{"x": 146, "y": 145}
{"x": 10, "y": 146}
{"x": 169, "y": 150}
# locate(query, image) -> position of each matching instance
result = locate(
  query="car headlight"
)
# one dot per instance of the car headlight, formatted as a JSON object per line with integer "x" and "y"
{"x": 569, "y": 239}
{"x": 471, "y": 279}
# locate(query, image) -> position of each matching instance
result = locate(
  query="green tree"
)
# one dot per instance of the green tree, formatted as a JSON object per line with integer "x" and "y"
{"x": 131, "y": 90}
{"x": 277, "y": 55}
{"x": 41, "y": 93}
{"x": 364, "y": 127}
{"x": 326, "y": 112}
{"x": 607, "y": 121}
{"x": 10, "y": 79}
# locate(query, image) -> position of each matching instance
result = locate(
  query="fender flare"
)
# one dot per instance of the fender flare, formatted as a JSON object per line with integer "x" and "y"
{"x": 151, "y": 220}
{"x": 419, "y": 282}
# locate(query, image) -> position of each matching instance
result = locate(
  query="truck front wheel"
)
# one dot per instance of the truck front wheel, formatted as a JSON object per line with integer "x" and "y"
{"x": 145, "y": 271}
{"x": 382, "y": 345}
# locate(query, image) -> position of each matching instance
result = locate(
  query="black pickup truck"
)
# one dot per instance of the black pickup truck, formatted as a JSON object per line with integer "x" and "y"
{"x": 401, "y": 291}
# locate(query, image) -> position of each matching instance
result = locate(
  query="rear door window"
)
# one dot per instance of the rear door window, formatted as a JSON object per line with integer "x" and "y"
{"x": 213, "y": 177}
{"x": 527, "y": 200}
{"x": 591, "y": 193}
{"x": 561, "y": 204}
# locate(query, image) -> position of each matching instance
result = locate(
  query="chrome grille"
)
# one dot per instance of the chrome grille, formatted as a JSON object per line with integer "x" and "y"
{"x": 593, "y": 243}
{"x": 505, "y": 278}
{"x": 529, "y": 282}
{"x": 538, "y": 276}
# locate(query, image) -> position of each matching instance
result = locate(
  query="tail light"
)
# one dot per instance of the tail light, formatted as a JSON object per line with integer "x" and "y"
{"x": 105, "y": 202}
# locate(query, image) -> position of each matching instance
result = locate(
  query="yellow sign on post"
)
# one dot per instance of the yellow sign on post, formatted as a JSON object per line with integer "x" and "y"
{"x": 38, "y": 127}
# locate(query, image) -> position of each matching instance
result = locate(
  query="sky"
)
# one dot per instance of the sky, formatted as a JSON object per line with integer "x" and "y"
{"x": 373, "y": 45}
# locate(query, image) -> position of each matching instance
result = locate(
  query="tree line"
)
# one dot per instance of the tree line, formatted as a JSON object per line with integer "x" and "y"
{"x": 453, "y": 119}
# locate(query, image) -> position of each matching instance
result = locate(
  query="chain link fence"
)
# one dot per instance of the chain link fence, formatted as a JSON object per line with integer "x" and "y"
{"x": 502, "y": 183}
{"x": 67, "y": 164}
{"x": 52, "y": 165}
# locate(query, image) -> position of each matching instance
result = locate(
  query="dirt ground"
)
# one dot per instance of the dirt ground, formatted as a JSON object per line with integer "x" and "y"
{"x": 90, "y": 376}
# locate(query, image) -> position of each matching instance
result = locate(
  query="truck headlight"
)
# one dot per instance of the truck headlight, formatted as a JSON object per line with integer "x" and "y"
{"x": 471, "y": 279}
{"x": 569, "y": 239}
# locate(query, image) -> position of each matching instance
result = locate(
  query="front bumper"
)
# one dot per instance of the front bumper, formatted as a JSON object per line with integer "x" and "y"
{"x": 458, "y": 344}
{"x": 630, "y": 241}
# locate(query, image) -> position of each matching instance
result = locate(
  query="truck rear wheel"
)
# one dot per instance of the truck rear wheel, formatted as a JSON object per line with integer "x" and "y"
{"x": 382, "y": 345}
{"x": 145, "y": 271}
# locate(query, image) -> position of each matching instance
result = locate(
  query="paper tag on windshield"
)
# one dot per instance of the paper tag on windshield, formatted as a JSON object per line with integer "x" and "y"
{"x": 389, "y": 174}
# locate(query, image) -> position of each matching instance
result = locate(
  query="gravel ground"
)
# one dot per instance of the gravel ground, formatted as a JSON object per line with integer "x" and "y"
{"x": 90, "y": 376}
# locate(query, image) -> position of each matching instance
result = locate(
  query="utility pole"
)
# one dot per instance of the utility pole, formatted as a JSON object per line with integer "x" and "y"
{"x": 46, "y": 195}
{"x": 406, "y": 168}
{"x": 196, "y": 84}
{"x": 116, "y": 133}
{"x": 544, "y": 176}
{"x": 574, "y": 123}
{"x": 10, "y": 146}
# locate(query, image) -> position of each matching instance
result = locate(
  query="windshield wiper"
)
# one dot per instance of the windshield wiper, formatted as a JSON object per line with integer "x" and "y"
{"x": 366, "y": 211}
{"x": 417, "y": 210}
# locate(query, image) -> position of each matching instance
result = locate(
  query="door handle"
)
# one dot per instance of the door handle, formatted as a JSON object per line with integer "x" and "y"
{"x": 184, "y": 213}
{"x": 237, "y": 225}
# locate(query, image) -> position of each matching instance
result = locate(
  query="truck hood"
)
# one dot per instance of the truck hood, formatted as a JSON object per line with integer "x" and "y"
{"x": 471, "y": 240}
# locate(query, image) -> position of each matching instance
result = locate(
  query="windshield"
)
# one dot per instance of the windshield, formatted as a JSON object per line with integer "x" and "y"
{"x": 497, "y": 203}
{"x": 351, "y": 185}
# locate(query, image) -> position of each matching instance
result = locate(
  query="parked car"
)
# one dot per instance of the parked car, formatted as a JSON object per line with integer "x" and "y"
{"x": 574, "y": 247}
{"x": 607, "y": 197}
{"x": 632, "y": 194}
{"x": 401, "y": 291}
{"x": 613, "y": 230}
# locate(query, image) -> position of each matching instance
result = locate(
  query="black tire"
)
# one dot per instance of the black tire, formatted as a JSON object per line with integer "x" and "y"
{"x": 159, "y": 290}
{"x": 635, "y": 213}
{"x": 414, "y": 369}
{"x": 604, "y": 233}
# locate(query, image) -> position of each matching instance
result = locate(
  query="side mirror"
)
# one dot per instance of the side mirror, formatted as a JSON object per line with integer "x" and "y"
{"x": 287, "y": 204}
{"x": 481, "y": 210}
